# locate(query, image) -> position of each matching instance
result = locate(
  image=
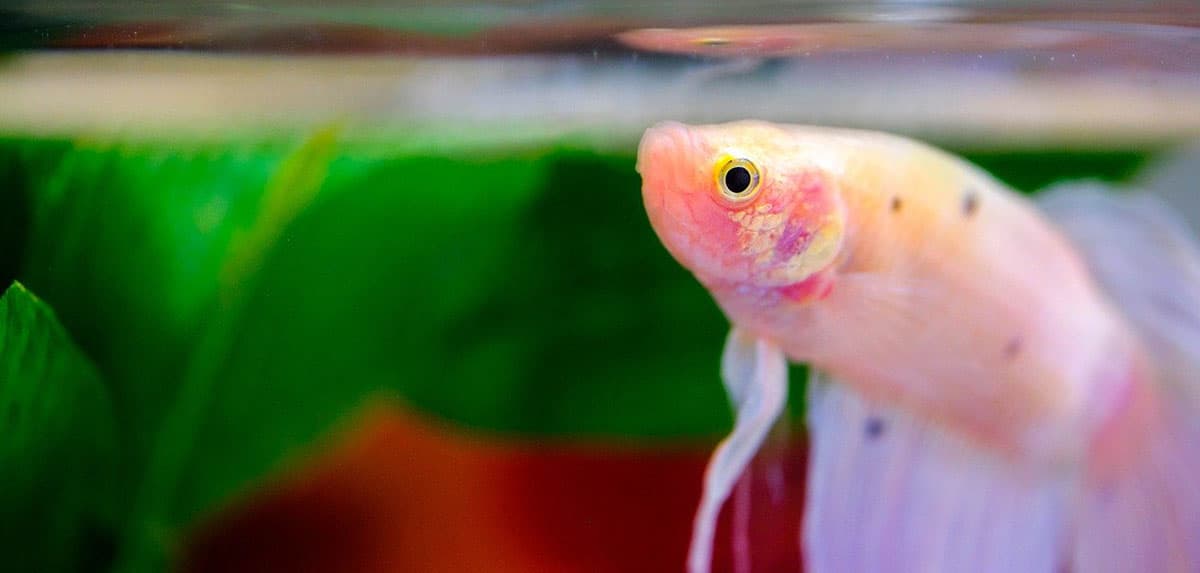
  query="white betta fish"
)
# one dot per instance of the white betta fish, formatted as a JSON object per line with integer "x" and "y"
{"x": 1001, "y": 386}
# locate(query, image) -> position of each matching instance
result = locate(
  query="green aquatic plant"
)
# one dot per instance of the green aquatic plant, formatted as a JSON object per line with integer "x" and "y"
{"x": 56, "y": 481}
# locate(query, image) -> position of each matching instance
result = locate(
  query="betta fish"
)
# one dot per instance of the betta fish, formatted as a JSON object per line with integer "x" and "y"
{"x": 999, "y": 384}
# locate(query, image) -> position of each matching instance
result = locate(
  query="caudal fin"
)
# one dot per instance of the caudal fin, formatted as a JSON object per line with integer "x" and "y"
{"x": 1146, "y": 515}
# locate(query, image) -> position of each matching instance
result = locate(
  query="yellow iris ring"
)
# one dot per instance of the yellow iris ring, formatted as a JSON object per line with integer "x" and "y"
{"x": 728, "y": 163}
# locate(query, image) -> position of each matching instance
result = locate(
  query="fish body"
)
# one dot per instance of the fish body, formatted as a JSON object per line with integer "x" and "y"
{"x": 930, "y": 295}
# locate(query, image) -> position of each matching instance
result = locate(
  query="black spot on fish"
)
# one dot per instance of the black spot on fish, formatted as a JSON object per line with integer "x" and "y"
{"x": 873, "y": 428}
{"x": 970, "y": 202}
{"x": 1013, "y": 348}
{"x": 897, "y": 203}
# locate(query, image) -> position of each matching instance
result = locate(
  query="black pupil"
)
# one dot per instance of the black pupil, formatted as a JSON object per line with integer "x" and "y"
{"x": 737, "y": 180}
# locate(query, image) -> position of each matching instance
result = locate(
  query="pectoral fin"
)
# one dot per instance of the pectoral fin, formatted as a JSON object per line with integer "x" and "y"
{"x": 888, "y": 492}
{"x": 755, "y": 375}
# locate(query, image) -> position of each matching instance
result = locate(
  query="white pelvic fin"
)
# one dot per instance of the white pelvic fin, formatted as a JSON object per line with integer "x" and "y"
{"x": 1147, "y": 517}
{"x": 755, "y": 376}
{"x": 890, "y": 493}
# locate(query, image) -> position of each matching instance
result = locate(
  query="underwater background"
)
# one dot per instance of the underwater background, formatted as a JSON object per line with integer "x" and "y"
{"x": 369, "y": 287}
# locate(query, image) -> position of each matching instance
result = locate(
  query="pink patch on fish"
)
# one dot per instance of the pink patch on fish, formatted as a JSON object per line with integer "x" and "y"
{"x": 808, "y": 205}
{"x": 795, "y": 238}
{"x": 815, "y": 287}
{"x": 1126, "y": 422}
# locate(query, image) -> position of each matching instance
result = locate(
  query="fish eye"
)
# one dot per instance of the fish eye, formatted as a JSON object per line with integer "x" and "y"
{"x": 738, "y": 179}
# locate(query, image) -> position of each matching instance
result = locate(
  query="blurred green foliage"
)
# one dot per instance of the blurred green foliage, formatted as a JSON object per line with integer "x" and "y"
{"x": 238, "y": 299}
{"x": 1032, "y": 170}
{"x": 57, "y": 449}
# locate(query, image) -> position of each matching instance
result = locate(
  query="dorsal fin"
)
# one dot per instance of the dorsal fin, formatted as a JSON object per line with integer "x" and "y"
{"x": 1144, "y": 257}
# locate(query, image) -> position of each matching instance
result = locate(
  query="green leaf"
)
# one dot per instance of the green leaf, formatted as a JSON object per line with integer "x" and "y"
{"x": 57, "y": 422}
{"x": 126, "y": 242}
{"x": 291, "y": 189}
{"x": 357, "y": 301}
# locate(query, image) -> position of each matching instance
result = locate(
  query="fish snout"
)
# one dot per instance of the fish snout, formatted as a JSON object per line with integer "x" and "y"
{"x": 663, "y": 148}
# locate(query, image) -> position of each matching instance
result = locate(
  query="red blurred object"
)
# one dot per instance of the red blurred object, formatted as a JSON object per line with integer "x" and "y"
{"x": 331, "y": 38}
{"x": 401, "y": 493}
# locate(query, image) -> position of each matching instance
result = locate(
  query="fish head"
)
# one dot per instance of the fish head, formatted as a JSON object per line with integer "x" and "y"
{"x": 740, "y": 203}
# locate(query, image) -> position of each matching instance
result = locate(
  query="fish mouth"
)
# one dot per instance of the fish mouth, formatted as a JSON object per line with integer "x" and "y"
{"x": 662, "y": 145}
